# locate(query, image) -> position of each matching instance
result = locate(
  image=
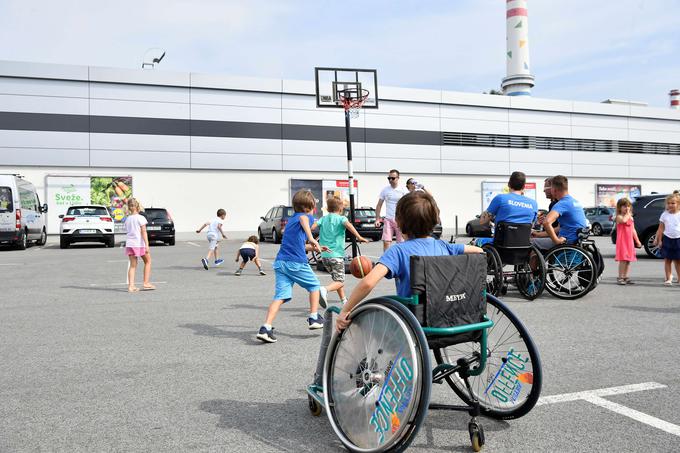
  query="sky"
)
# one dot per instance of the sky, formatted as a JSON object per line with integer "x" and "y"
{"x": 587, "y": 50}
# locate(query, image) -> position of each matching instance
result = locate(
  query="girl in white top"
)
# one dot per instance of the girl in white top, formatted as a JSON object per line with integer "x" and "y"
{"x": 668, "y": 237}
{"x": 250, "y": 250}
{"x": 137, "y": 245}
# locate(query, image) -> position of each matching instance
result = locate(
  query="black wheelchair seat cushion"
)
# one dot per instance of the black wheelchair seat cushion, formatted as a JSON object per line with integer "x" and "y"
{"x": 512, "y": 235}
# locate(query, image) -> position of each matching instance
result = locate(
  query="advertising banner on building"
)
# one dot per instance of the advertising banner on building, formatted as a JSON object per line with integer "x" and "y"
{"x": 491, "y": 189}
{"x": 339, "y": 188}
{"x": 609, "y": 194}
{"x": 64, "y": 191}
{"x": 314, "y": 186}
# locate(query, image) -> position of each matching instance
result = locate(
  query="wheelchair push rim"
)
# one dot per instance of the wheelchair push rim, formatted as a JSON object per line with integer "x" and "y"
{"x": 571, "y": 272}
{"x": 510, "y": 384}
{"x": 530, "y": 277}
{"x": 377, "y": 378}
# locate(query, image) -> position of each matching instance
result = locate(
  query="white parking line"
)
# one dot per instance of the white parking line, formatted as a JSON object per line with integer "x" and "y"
{"x": 192, "y": 243}
{"x": 596, "y": 397}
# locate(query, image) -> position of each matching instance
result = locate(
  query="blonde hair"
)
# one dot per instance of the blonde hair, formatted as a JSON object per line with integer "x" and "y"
{"x": 623, "y": 202}
{"x": 334, "y": 204}
{"x": 133, "y": 205}
{"x": 674, "y": 196}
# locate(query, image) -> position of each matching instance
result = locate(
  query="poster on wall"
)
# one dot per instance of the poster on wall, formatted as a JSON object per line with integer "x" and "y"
{"x": 339, "y": 188}
{"x": 609, "y": 194}
{"x": 64, "y": 191}
{"x": 491, "y": 189}
{"x": 314, "y": 186}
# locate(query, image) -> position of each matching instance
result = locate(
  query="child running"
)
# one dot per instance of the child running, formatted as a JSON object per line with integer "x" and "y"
{"x": 668, "y": 237}
{"x": 416, "y": 215}
{"x": 291, "y": 266}
{"x": 137, "y": 245}
{"x": 214, "y": 236}
{"x": 626, "y": 240}
{"x": 332, "y": 228}
{"x": 250, "y": 250}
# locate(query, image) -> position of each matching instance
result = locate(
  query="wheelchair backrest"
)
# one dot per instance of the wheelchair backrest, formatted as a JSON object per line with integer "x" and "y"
{"x": 451, "y": 289}
{"x": 512, "y": 235}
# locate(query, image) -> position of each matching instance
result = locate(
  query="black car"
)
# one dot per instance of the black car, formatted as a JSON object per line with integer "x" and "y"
{"x": 475, "y": 229}
{"x": 160, "y": 226}
{"x": 646, "y": 212}
{"x": 364, "y": 223}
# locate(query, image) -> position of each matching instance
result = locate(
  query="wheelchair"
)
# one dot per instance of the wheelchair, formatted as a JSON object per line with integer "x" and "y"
{"x": 573, "y": 270}
{"x": 512, "y": 246}
{"x": 374, "y": 379}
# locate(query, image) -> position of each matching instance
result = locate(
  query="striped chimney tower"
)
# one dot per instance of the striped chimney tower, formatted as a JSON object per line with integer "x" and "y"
{"x": 518, "y": 80}
{"x": 675, "y": 99}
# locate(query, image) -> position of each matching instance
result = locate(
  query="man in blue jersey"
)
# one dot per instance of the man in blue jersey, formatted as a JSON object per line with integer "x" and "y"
{"x": 511, "y": 207}
{"x": 570, "y": 214}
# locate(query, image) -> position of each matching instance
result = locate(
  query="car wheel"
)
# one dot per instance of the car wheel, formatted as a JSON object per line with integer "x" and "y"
{"x": 22, "y": 242}
{"x": 63, "y": 243}
{"x": 171, "y": 241}
{"x": 43, "y": 238}
{"x": 260, "y": 235}
{"x": 596, "y": 229}
{"x": 110, "y": 241}
{"x": 468, "y": 230}
{"x": 275, "y": 237}
{"x": 648, "y": 242}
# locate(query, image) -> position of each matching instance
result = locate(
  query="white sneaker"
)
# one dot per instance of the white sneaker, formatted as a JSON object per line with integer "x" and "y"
{"x": 323, "y": 297}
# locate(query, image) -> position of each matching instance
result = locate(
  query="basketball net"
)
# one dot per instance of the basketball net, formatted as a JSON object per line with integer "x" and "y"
{"x": 352, "y": 101}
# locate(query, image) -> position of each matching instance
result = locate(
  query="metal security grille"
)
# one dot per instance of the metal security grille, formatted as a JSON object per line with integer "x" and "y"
{"x": 556, "y": 143}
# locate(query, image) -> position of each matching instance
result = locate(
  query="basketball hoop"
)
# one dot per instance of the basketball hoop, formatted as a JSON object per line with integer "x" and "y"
{"x": 352, "y": 100}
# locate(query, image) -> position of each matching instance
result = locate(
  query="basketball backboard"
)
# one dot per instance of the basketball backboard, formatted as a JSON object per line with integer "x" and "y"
{"x": 331, "y": 83}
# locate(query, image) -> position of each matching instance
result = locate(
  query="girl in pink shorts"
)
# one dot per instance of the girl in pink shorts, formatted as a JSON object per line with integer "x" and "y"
{"x": 137, "y": 245}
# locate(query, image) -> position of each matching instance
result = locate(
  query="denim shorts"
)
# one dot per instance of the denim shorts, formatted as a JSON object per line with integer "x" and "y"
{"x": 290, "y": 272}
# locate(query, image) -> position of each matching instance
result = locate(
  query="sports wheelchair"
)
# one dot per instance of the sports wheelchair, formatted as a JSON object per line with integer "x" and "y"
{"x": 512, "y": 246}
{"x": 573, "y": 270}
{"x": 374, "y": 378}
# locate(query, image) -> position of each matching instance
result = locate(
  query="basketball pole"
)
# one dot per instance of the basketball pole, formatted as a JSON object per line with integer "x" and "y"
{"x": 350, "y": 180}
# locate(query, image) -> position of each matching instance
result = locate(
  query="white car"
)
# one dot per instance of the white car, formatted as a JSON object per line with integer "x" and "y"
{"x": 90, "y": 223}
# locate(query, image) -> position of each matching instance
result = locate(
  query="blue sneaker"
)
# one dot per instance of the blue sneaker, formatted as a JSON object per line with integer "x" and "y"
{"x": 315, "y": 323}
{"x": 266, "y": 335}
{"x": 218, "y": 262}
{"x": 204, "y": 262}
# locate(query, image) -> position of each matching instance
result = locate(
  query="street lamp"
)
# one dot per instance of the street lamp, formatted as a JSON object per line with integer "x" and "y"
{"x": 150, "y": 59}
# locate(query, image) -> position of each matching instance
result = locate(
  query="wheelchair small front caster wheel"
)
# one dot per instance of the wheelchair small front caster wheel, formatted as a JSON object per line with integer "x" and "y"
{"x": 314, "y": 406}
{"x": 476, "y": 435}
{"x": 504, "y": 290}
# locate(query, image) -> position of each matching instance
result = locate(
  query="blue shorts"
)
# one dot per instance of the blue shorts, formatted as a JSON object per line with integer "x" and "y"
{"x": 290, "y": 272}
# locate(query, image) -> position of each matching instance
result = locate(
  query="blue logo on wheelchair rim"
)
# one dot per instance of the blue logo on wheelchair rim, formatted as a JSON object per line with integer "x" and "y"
{"x": 394, "y": 398}
{"x": 571, "y": 258}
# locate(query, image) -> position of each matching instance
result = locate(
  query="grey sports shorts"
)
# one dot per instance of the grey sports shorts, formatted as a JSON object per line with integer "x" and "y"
{"x": 336, "y": 267}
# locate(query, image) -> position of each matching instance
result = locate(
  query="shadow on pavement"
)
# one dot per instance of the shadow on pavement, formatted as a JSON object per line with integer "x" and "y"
{"x": 663, "y": 310}
{"x": 98, "y": 288}
{"x": 246, "y": 336}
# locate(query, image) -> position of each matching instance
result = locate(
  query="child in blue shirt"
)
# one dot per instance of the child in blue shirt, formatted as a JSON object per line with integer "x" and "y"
{"x": 291, "y": 266}
{"x": 416, "y": 215}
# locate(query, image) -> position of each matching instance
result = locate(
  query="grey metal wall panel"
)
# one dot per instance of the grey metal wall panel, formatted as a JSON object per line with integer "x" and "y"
{"x": 139, "y": 159}
{"x": 44, "y": 156}
{"x": 230, "y": 145}
{"x": 235, "y": 98}
{"x": 381, "y": 165}
{"x": 44, "y": 122}
{"x": 127, "y": 125}
{"x": 119, "y": 91}
{"x": 318, "y": 163}
{"x": 235, "y": 129}
{"x": 141, "y": 142}
{"x": 236, "y": 161}
{"x": 43, "y": 139}
{"x": 43, "y": 104}
{"x": 475, "y": 167}
{"x": 41, "y": 87}
{"x": 107, "y": 107}
{"x": 403, "y": 137}
{"x": 318, "y": 148}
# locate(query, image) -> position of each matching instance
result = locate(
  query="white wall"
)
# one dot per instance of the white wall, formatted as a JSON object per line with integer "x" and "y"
{"x": 193, "y": 196}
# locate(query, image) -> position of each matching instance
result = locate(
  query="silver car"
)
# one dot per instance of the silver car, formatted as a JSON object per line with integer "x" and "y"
{"x": 601, "y": 219}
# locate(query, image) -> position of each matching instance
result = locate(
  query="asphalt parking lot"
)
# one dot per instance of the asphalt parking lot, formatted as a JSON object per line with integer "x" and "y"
{"x": 87, "y": 366}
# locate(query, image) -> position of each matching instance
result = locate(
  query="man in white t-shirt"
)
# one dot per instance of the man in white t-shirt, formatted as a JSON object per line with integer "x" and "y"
{"x": 390, "y": 195}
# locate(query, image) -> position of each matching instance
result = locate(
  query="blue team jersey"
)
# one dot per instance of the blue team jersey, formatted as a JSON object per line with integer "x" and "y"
{"x": 572, "y": 218}
{"x": 398, "y": 259}
{"x": 293, "y": 241}
{"x": 513, "y": 208}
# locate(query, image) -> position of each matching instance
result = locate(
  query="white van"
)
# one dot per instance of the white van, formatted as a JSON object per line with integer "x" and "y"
{"x": 22, "y": 217}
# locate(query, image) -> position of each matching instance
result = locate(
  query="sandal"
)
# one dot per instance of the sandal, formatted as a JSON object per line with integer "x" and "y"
{"x": 629, "y": 281}
{"x": 668, "y": 283}
{"x": 621, "y": 281}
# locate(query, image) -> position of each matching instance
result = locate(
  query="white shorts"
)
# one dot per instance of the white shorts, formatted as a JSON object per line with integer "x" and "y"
{"x": 212, "y": 241}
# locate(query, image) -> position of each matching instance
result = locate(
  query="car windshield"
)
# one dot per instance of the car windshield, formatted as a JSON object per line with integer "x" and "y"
{"x": 155, "y": 214}
{"x": 288, "y": 212}
{"x": 87, "y": 211}
{"x": 6, "y": 199}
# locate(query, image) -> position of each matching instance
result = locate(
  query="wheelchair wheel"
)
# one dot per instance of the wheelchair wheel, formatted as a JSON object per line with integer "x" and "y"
{"x": 510, "y": 384}
{"x": 494, "y": 271}
{"x": 530, "y": 276}
{"x": 377, "y": 378}
{"x": 571, "y": 272}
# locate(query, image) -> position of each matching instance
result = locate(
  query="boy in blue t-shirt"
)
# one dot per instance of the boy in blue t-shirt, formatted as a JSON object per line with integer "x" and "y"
{"x": 291, "y": 266}
{"x": 416, "y": 215}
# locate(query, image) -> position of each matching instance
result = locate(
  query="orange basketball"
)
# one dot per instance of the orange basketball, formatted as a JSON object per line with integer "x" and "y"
{"x": 360, "y": 266}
